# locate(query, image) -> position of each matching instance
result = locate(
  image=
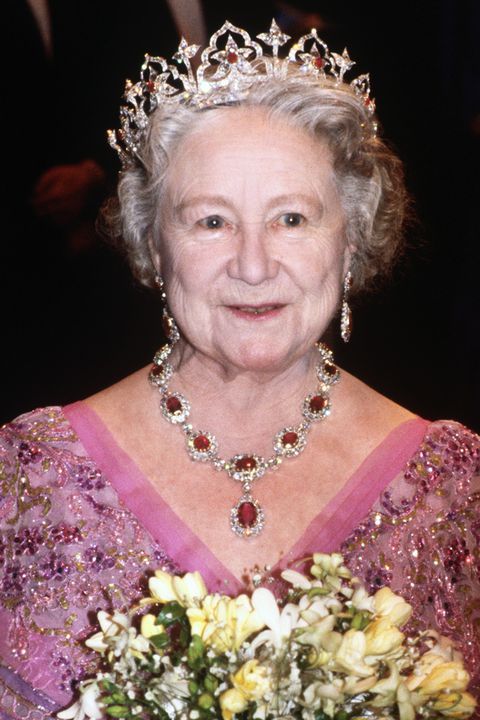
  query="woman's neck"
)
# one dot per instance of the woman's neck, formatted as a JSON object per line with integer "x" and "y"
{"x": 243, "y": 408}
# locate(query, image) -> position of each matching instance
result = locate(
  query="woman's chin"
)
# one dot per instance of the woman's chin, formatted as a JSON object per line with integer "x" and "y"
{"x": 255, "y": 356}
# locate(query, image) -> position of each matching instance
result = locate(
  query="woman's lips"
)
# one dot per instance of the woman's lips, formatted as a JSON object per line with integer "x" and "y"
{"x": 256, "y": 312}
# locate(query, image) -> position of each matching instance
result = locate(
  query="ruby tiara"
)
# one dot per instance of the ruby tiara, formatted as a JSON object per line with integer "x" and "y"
{"x": 230, "y": 65}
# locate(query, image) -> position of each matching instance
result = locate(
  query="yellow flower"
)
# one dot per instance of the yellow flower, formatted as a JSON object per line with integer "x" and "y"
{"x": 232, "y": 701}
{"x": 392, "y": 606}
{"x": 447, "y": 676}
{"x": 188, "y": 590}
{"x": 149, "y": 626}
{"x": 224, "y": 622}
{"x": 252, "y": 680}
{"x": 455, "y": 704}
{"x": 382, "y": 638}
{"x": 423, "y": 668}
{"x": 351, "y": 654}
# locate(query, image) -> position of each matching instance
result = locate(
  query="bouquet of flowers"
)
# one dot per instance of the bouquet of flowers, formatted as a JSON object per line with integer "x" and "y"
{"x": 329, "y": 650}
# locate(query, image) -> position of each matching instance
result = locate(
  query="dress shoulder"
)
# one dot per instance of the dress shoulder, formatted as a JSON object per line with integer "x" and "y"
{"x": 422, "y": 537}
{"x": 68, "y": 547}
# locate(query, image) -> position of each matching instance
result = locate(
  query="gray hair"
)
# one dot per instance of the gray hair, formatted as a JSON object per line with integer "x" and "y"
{"x": 369, "y": 175}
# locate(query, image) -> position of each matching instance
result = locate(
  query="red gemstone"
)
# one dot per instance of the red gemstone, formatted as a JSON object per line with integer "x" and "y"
{"x": 232, "y": 57}
{"x": 247, "y": 514}
{"x": 157, "y": 370}
{"x": 329, "y": 369}
{"x": 318, "y": 62}
{"x": 150, "y": 86}
{"x": 201, "y": 443}
{"x": 318, "y": 403}
{"x": 246, "y": 463}
{"x": 173, "y": 405}
{"x": 289, "y": 438}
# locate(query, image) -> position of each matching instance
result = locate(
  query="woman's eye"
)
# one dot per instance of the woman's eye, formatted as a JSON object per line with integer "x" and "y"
{"x": 212, "y": 222}
{"x": 291, "y": 220}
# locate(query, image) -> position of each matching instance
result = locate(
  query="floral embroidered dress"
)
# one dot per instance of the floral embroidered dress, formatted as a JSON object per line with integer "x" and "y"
{"x": 81, "y": 528}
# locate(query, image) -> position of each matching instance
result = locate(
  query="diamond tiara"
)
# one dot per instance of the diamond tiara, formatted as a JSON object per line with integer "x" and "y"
{"x": 229, "y": 68}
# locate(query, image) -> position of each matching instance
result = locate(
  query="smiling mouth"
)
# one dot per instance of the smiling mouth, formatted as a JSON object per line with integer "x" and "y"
{"x": 256, "y": 310}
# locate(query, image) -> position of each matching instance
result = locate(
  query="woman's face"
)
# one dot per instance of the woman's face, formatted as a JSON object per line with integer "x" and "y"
{"x": 252, "y": 251}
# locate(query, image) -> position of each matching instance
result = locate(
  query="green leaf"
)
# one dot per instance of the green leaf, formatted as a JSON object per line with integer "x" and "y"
{"x": 192, "y": 687}
{"x": 195, "y": 652}
{"x": 317, "y": 591}
{"x": 160, "y": 641}
{"x": 211, "y": 683}
{"x": 205, "y": 701}
{"x": 170, "y": 613}
{"x": 184, "y": 635}
{"x": 360, "y": 620}
{"x": 119, "y": 697}
{"x": 107, "y": 685}
{"x": 117, "y": 711}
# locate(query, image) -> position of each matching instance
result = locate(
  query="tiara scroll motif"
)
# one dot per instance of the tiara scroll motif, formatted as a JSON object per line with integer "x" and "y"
{"x": 226, "y": 73}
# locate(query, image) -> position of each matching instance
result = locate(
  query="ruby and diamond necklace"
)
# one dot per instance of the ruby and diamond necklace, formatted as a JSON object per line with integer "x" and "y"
{"x": 247, "y": 517}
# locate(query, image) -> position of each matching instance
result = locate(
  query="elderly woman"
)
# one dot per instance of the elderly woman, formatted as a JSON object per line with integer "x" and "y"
{"x": 258, "y": 197}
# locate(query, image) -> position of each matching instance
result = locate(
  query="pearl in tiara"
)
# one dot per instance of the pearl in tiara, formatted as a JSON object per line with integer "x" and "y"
{"x": 230, "y": 66}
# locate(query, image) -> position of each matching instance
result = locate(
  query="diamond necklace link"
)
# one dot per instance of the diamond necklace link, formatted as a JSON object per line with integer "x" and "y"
{"x": 247, "y": 517}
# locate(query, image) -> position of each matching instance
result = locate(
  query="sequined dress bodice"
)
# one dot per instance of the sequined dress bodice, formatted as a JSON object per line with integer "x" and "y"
{"x": 81, "y": 529}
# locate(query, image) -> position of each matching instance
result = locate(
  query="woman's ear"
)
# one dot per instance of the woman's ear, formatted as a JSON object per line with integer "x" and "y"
{"x": 154, "y": 254}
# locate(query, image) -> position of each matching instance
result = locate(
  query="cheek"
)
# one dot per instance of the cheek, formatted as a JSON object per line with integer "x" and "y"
{"x": 321, "y": 270}
{"x": 189, "y": 278}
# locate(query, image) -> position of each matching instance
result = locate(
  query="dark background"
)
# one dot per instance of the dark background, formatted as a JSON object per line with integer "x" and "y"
{"x": 71, "y": 319}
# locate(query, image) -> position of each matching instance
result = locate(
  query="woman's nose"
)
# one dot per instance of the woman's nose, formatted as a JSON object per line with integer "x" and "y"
{"x": 252, "y": 260}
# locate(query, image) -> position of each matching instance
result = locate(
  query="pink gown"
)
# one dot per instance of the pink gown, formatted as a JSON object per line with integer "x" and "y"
{"x": 81, "y": 529}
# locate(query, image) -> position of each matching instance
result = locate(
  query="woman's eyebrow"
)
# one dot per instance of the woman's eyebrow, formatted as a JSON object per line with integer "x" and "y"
{"x": 286, "y": 198}
{"x": 201, "y": 199}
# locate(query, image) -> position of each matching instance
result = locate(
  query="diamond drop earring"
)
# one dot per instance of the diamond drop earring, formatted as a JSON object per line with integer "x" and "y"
{"x": 169, "y": 325}
{"x": 346, "y": 314}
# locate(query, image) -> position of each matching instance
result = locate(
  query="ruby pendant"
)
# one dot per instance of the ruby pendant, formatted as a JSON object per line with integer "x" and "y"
{"x": 247, "y": 517}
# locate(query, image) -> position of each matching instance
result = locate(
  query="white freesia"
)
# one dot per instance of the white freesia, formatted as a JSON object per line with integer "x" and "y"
{"x": 350, "y": 656}
{"x": 314, "y": 609}
{"x": 404, "y": 702}
{"x": 296, "y": 579}
{"x": 362, "y": 601}
{"x": 281, "y": 624}
{"x": 224, "y": 623}
{"x": 383, "y": 639}
{"x": 188, "y": 590}
{"x": 86, "y": 707}
{"x": 170, "y": 689}
{"x": 322, "y": 639}
{"x": 319, "y": 690}
{"x": 386, "y": 689}
{"x": 116, "y": 633}
{"x": 391, "y": 606}
{"x": 330, "y": 565}
{"x": 324, "y": 696}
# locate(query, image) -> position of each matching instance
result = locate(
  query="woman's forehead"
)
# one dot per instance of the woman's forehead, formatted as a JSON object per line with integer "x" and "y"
{"x": 231, "y": 144}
